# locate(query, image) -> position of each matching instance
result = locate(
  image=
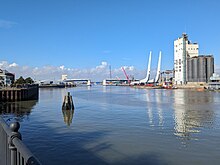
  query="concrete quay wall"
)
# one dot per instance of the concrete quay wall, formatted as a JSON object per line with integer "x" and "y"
{"x": 192, "y": 85}
{"x": 27, "y": 92}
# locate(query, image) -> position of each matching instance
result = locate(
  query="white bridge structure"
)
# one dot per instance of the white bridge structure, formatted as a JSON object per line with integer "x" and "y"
{"x": 147, "y": 79}
{"x": 72, "y": 81}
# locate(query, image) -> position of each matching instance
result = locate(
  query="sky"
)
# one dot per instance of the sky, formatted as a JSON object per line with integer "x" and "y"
{"x": 82, "y": 38}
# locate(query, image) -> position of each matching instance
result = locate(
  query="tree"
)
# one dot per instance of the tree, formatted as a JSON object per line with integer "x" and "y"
{"x": 20, "y": 80}
{"x": 1, "y": 81}
{"x": 29, "y": 80}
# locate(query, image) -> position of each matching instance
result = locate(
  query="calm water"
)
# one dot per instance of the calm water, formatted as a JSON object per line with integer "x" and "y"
{"x": 121, "y": 125}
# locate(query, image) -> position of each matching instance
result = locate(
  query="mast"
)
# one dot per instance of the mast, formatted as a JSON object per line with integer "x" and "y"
{"x": 110, "y": 72}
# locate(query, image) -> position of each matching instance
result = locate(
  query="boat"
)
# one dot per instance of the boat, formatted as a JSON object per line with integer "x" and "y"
{"x": 168, "y": 85}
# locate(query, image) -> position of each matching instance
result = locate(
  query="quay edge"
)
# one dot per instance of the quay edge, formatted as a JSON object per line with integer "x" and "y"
{"x": 20, "y": 93}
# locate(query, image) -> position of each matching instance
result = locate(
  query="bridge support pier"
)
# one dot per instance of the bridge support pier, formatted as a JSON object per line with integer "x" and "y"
{"x": 89, "y": 83}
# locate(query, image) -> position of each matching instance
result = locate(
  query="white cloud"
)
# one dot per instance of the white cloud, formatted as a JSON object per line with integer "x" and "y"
{"x": 62, "y": 67}
{"x": 217, "y": 69}
{"x": 97, "y": 73}
{"x": 13, "y": 65}
{"x": 6, "y": 24}
{"x": 130, "y": 68}
{"x": 102, "y": 66}
{"x": 3, "y": 64}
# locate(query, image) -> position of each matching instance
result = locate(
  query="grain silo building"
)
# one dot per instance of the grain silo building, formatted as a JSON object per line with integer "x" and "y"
{"x": 200, "y": 68}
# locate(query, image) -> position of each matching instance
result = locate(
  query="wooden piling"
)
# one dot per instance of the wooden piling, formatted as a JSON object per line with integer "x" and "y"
{"x": 68, "y": 102}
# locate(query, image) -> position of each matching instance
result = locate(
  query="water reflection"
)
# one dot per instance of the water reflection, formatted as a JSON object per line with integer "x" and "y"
{"x": 154, "y": 99}
{"x": 68, "y": 116}
{"x": 17, "y": 110}
{"x": 192, "y": 110}
{"x": 149, "y": 108}
{"x": 119, "y": 125}
{"x": 159, "y": 107}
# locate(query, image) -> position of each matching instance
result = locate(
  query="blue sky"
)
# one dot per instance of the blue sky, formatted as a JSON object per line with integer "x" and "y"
{"x": 81, "y": 34}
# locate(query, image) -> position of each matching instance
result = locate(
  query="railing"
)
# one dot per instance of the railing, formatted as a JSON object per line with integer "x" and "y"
{"x": 12, "y": 149}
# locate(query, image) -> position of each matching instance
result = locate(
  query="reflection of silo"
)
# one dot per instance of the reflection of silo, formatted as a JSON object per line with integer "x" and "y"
{"x": 194, "y": 66}
{"x": 192, "y": 110}
{"x": 201, "y": 69}
{"x": 210, "y": 67}
{"x": 189, "y": 70}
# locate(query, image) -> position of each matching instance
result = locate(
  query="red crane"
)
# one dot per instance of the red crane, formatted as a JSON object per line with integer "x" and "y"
{"x": 125, "y": 75}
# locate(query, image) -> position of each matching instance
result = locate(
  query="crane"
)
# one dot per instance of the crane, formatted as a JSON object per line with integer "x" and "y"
{"x": 125, "y": 75}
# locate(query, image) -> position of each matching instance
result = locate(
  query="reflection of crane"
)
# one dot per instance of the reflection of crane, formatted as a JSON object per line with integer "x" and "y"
{"x": 125, "y": 75}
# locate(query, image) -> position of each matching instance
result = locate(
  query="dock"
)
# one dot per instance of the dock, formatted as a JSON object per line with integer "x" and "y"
{"x": 19, "y": 93}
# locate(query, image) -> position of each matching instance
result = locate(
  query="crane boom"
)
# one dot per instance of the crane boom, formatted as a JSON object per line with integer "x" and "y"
{"x": 126, "y": 75}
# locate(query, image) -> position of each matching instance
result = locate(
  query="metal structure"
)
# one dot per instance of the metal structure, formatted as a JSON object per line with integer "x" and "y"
{"x": 110, "y": 72}
{"x": 12, "y": 149}
{"x": 126, "y": 75}
{"x": 158, "y": 69}
{"x": 87, "y": 81}
{"x": 146, "y": 79}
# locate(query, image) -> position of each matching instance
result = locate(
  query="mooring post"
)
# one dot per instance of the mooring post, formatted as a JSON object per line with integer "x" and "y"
{"x": 68, "y": 102}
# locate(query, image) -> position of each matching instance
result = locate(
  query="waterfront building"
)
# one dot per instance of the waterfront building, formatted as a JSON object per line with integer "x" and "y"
{"x": 214, "y": 82}
{"x": 189, "y": 66}
{"x": 6, "y": 78}
{"x": 183, "y": 49}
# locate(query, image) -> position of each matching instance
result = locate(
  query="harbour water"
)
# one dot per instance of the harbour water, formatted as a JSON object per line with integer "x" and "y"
{"x": 121, "y": 125}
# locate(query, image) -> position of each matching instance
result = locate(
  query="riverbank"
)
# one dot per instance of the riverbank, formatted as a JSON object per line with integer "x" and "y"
{"x": 57, "y": 85}
{"x": 193, "y": 86}
{"x": 196, "y": 86}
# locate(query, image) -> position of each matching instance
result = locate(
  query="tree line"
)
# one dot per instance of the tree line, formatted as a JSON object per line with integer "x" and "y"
{"x": 21, "y": 80}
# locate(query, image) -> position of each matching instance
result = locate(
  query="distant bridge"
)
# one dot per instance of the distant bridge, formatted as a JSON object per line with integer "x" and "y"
{"x": 66, "y": 80}
{"x": 88, "y": 81}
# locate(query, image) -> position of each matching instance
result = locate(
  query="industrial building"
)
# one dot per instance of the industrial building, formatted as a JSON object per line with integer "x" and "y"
{"x": 183, "y": 48}
{"x": 200, "y": 69}
{"x": 189, "y": 66}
